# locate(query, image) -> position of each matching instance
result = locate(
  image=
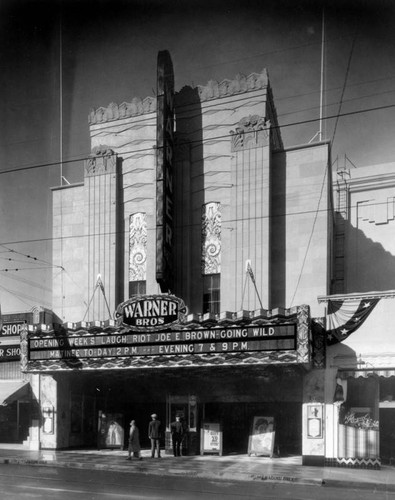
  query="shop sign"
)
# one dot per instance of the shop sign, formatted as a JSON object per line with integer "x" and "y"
{"x": 208, "y": 341}
{"x": 10, "y": 353}
{"x": 14, "y": 328}
{"x": 361, "y": 418}
{"x": 151, "y": 312}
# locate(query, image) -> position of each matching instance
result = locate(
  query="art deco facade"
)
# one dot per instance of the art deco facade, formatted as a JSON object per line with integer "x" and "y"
{"x": 192, "y": 194}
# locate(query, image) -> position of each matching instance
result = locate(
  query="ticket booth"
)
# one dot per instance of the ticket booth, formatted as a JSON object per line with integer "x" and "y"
{"x": 185, "y": 406}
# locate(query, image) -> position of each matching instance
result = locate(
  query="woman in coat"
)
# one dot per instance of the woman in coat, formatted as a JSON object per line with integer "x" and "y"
{"x": 134, "y": 442}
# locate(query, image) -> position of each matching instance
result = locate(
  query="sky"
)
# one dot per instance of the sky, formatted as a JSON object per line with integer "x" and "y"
{"x": 59, "y": 59}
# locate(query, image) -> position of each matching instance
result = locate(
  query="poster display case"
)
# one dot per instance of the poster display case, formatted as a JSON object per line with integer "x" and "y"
{"x": 110, "y": 431}
{"x": 211, "y": 438}
{"x": 261, "y": 439}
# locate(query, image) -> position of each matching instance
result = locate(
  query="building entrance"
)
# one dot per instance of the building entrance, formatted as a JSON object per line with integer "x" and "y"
{"x": 231, "y": 398}
{"x": 237, "y": 419}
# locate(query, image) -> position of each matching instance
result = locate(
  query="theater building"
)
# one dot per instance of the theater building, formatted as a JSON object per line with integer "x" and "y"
{"x": 192, "y": 275}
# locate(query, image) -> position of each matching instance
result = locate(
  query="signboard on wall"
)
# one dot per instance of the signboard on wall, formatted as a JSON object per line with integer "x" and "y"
{"x": 164, "y": 171}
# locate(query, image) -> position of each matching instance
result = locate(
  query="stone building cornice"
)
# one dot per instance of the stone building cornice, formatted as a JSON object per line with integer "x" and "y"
{"x": 212, "y": 90}
{"x": 115, "y": 111}
{"x": 227, "y": 88}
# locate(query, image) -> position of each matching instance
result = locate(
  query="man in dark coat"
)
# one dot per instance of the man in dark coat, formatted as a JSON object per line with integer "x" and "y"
{"x": 154, "y": 434}
{"x": 134, "y": 442}
{"x": 177, "y": 435}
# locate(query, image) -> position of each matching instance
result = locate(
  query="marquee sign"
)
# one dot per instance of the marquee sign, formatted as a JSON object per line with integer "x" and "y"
{"x": 152, "y": 331}
{"x": 164, "y": 171}
{"x": 151, "y": 312}
{"x": 214, "y": 340}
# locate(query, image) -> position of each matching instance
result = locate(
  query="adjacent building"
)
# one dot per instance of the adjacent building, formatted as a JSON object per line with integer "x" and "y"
{"x": 17, "y": 404}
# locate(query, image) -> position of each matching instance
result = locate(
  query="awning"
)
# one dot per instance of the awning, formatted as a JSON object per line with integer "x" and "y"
{"x": 344, "y": 374}
{"x": 12, "y": 390}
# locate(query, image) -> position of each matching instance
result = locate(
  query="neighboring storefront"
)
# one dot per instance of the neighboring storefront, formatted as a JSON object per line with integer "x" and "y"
{"x": 91, "y": 379}
{"x": 360, "y": 380}
{"x": 17, "y": 404}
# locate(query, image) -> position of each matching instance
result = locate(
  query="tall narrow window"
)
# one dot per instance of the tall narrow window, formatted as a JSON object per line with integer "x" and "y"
{"x": 211, "y": 257}
{"x": 137, "y": 288}
{"x": 137, "y": 254}
{"x": 212, "y": 294}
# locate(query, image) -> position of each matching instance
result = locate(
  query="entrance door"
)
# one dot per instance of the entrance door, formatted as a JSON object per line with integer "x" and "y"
{"x": 387, "y": 435}
{"x": 23, "y": 420}
{"x": 186, "y": 407}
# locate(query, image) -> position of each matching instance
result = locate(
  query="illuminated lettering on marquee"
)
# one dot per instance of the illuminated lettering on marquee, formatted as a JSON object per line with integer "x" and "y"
{"x": 154, "y": 325}
{"x": 265, "y": 338}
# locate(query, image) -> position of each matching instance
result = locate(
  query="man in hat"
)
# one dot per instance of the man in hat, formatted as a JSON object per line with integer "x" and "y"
{"x": 154, "y": 434}
{"x": 177, "y": 435}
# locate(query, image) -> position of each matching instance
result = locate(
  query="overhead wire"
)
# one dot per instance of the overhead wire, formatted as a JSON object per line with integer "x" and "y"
{"x": 326, "y": 169}
{"x": 182, "y": 226}
{"x": 292, "y": 124}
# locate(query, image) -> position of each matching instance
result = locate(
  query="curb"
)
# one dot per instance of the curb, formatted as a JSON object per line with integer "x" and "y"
{"x": 220, "y": 476}
{"x": 140, "y": 469}
{"x": 339, "y": 483}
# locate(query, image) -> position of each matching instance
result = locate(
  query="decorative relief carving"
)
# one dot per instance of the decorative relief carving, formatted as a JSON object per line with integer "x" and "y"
{"x": 241, "y": 83}
{"x": 318, "y": 342}
{"x": 211, "y": 238}
{"x": 303, "y": 334}
{"x": 212, "y": 90}
{"x": 264, "y": 358}
{"x": 125, "y": 110}
{"x": 138, "y": 247}
{"x": 251, "y": 132}
{"x": 102, "y": 160}
{"x": 24, "y": 348}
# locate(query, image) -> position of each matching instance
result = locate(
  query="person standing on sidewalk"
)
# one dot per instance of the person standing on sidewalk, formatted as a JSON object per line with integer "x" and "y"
{"x": 177, "y": 435}
{"x": 154, "y": 435}
{"x": 134, "y": 442}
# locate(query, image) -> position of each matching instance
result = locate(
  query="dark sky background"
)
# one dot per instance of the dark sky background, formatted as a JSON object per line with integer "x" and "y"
{"x": 109, "y": 51}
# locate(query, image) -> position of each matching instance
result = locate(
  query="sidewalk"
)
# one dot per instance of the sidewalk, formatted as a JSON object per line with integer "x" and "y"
{"x": 213, "y": 467}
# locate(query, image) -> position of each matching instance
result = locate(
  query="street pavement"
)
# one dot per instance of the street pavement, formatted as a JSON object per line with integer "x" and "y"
{"x": 213, "y": 467}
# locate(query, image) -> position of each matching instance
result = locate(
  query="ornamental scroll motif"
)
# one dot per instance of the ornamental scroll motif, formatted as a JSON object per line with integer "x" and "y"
{"x": 24, "y": 348}
{"x": 211, "y": 238}
{"x": 138, "y": 247}
{"x": 251, "y": 132}
{"x": 102, "y": 160}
